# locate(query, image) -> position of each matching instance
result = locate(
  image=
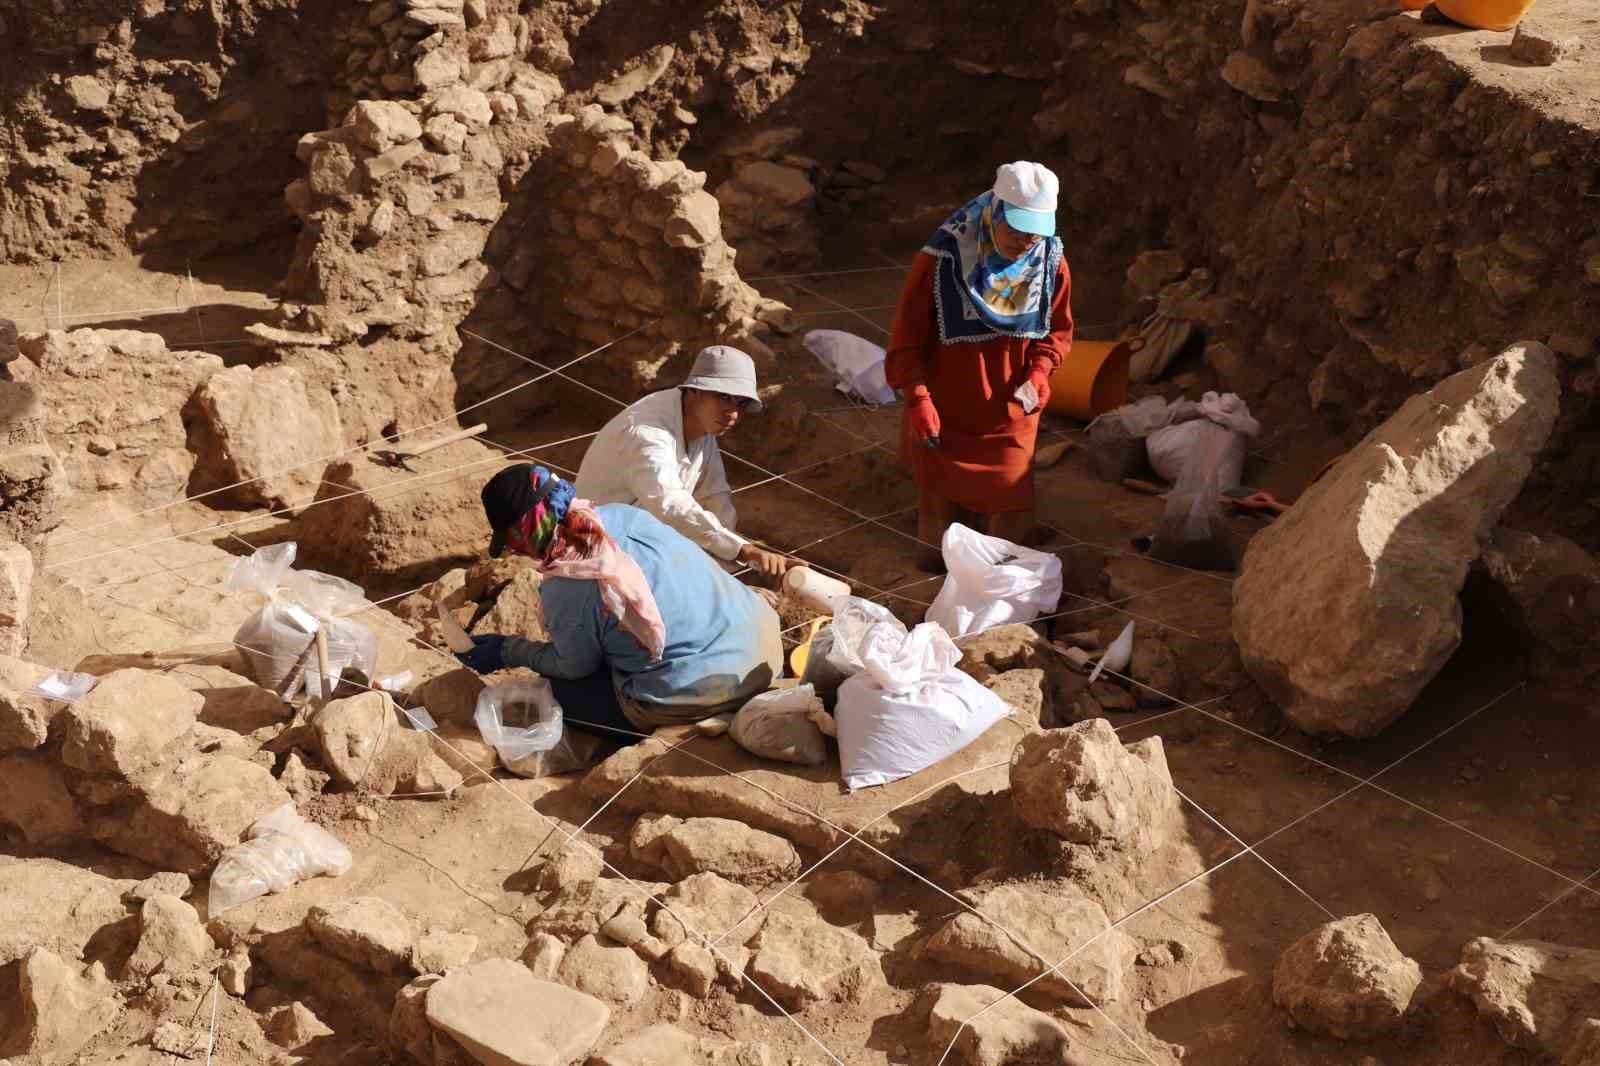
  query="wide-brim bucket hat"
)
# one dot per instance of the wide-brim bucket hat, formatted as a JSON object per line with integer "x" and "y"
{"x": 725, "y": 369}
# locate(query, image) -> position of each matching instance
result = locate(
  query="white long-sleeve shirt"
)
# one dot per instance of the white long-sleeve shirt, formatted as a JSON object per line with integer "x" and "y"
{"x": 640, "y": 458}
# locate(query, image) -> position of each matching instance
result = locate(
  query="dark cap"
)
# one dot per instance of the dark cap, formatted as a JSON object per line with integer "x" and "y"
{"x": 506, "y": 498}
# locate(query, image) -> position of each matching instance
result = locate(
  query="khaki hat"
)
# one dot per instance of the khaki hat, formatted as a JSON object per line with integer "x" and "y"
{"x": 727, "y": 370}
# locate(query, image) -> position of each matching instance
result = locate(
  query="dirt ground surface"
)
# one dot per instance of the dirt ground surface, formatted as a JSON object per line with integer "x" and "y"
{"x": 1371, "y": 203}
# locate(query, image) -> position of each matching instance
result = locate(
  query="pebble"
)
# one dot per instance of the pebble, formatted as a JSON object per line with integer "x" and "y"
{"x": 364, "y": 813}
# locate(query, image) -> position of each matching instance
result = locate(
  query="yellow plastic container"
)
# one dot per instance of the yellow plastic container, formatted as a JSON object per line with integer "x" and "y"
{"x": 802, "y": 655}
{"x": 1478, "y": 14}
{"x": 1092, "y": 379}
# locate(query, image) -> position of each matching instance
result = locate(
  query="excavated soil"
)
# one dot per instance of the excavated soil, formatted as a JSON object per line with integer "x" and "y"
{"x": 1378, "y": 201}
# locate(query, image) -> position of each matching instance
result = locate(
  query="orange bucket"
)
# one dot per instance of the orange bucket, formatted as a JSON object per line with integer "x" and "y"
{"x": 1478, "y": 14}
{"x": 1092, "y": 379}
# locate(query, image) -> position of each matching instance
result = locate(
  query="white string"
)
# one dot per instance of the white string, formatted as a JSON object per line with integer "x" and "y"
{"x": 453, "y": 417}
{"x": 398, "y": 487}
{"x": 636, "y": 886}
{"x": 847, "y": 310}
{"x": 216, "y": 994}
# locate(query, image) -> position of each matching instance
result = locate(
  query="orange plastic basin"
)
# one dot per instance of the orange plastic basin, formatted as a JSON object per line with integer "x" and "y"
{"x": 1479, "y": 14}
{"x": 1092, "y": 379}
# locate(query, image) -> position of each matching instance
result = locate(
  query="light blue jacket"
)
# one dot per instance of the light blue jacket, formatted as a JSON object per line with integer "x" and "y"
{"x": 722, "y": 638}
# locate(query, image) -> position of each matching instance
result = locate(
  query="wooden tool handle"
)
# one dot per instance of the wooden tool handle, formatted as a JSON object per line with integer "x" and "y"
{"x": 450, "y": 438}
{"x": 1133, "y": 484}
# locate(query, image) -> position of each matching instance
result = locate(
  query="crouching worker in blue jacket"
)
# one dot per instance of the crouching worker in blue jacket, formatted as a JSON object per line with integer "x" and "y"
{"x": 645, "y": 629}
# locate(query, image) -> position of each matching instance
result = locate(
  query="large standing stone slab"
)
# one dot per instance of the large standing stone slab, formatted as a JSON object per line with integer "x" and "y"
{"x": 1347, "y": 605}
{"x": 505, "y": 1016}
{"x": 1346, "y": 979}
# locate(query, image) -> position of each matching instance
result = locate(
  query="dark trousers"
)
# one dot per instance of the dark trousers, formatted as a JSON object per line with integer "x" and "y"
{"x": 590, "y": 704}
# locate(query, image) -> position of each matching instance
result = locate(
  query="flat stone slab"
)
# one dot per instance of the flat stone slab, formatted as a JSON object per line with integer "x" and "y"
{"x": 505, "y": 1016}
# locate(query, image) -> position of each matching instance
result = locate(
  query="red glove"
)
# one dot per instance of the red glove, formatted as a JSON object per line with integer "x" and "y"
{"x": 1039, "y": 374}
{"x": 923, "y": 415}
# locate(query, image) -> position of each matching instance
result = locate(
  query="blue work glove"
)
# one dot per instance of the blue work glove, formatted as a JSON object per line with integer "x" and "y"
{"x": 487, "y": 654}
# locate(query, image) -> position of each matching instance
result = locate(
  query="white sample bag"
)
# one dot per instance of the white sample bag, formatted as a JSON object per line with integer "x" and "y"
{"x": 779, "y": 725}
{"x": 280, "y": 850}
{"x": 856, "y": 362}
{"x": 1221, "y": 433}
{"x": 522, "y": 722}
{"x": 836, "y": 649}
{"x": 910, "y": 707}
{"x": 992, "y": 582}
{"x": 277, "y": 643}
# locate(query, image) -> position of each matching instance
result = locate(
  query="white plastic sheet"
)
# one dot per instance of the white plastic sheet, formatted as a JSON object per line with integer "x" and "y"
{"x": 281, "y": 849}
{"x": 909, "y": 707}
{"x": 992, "y": 582}
{"x": 64, "y": 685}
{"x": 856, "y": 362}
{"x": 779, "y": 725}
{"x": 276, "y": 643}
{"x": 522, "y": 722}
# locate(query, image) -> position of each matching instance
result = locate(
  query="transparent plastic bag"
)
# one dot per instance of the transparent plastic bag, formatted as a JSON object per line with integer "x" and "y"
{"x": 992, "y": 582}
{"x": 522, "y": 722}
{"x": 1193, "y": 531}
{"x": 277, "y": 642}
{"x": 779, "y": 725}
{"x": 280, "y": 850}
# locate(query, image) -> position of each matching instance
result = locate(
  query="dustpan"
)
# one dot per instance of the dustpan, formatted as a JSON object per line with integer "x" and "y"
{"x": 802, "y": 655}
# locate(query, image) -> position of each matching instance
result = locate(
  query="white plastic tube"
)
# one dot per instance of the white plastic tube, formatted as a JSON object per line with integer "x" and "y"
{"x": 814, "y": 590}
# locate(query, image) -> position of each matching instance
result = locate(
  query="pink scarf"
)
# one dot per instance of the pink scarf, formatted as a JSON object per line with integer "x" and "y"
{"x": 624, "y": 592}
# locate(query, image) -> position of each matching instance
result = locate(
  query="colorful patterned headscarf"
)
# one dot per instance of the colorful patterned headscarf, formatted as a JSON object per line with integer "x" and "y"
{"x": 978, "y": 293}
{"x": 524, "y": 505}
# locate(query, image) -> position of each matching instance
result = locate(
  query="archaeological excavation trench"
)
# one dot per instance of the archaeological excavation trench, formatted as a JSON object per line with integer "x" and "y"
{"x": 1337, "y": 805}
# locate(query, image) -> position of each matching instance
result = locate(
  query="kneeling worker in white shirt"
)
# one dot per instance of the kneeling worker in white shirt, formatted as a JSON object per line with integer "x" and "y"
{"x": 661, "y": 455}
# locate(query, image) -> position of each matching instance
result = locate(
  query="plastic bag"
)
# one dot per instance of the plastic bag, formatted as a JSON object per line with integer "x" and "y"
{"x": 277, "y": 642}
{"x": 856, "y": 362}
{"x": 1193, "y": 532}
{"x": 889, "y": 733}
{"x": 63, "y": 685}
{"x": 1116, "y": 438}
{"x": 992, "y": 582}
{"x": 778, "y": 725}
{"x": 280, "y": 850}
{"x": 1221, "y": 432}
{"x": 522, "y": 722}
{"x": 853, "y": 620}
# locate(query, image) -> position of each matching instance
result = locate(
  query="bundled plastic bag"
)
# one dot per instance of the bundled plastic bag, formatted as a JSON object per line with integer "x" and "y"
{"x": 522, "y": 722}
{"x": 280, "y": 850}
{"x": 1222, "y": 431}
{"x": 992, "y": 582}
{"x": 779, "y": 725}
{"x": 835, "y": 650}
{"x": 278, "y": 642}
{"x": 1116, "y": 438}
{"x": 909, "y": 707}
{"x": 856, "y": 362}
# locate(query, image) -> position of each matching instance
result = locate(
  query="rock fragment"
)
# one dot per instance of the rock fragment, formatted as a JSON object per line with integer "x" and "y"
{"x": 366, "y": 930}
{"x": 1001, "y": 1035}
{"x": 1346, "y": 979}
{"x": 1082, "y": 784}
{"x": 504, "y": 1016}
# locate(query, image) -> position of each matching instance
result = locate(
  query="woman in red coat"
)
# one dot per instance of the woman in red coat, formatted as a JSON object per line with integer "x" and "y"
{"x": 985, "y": 318}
